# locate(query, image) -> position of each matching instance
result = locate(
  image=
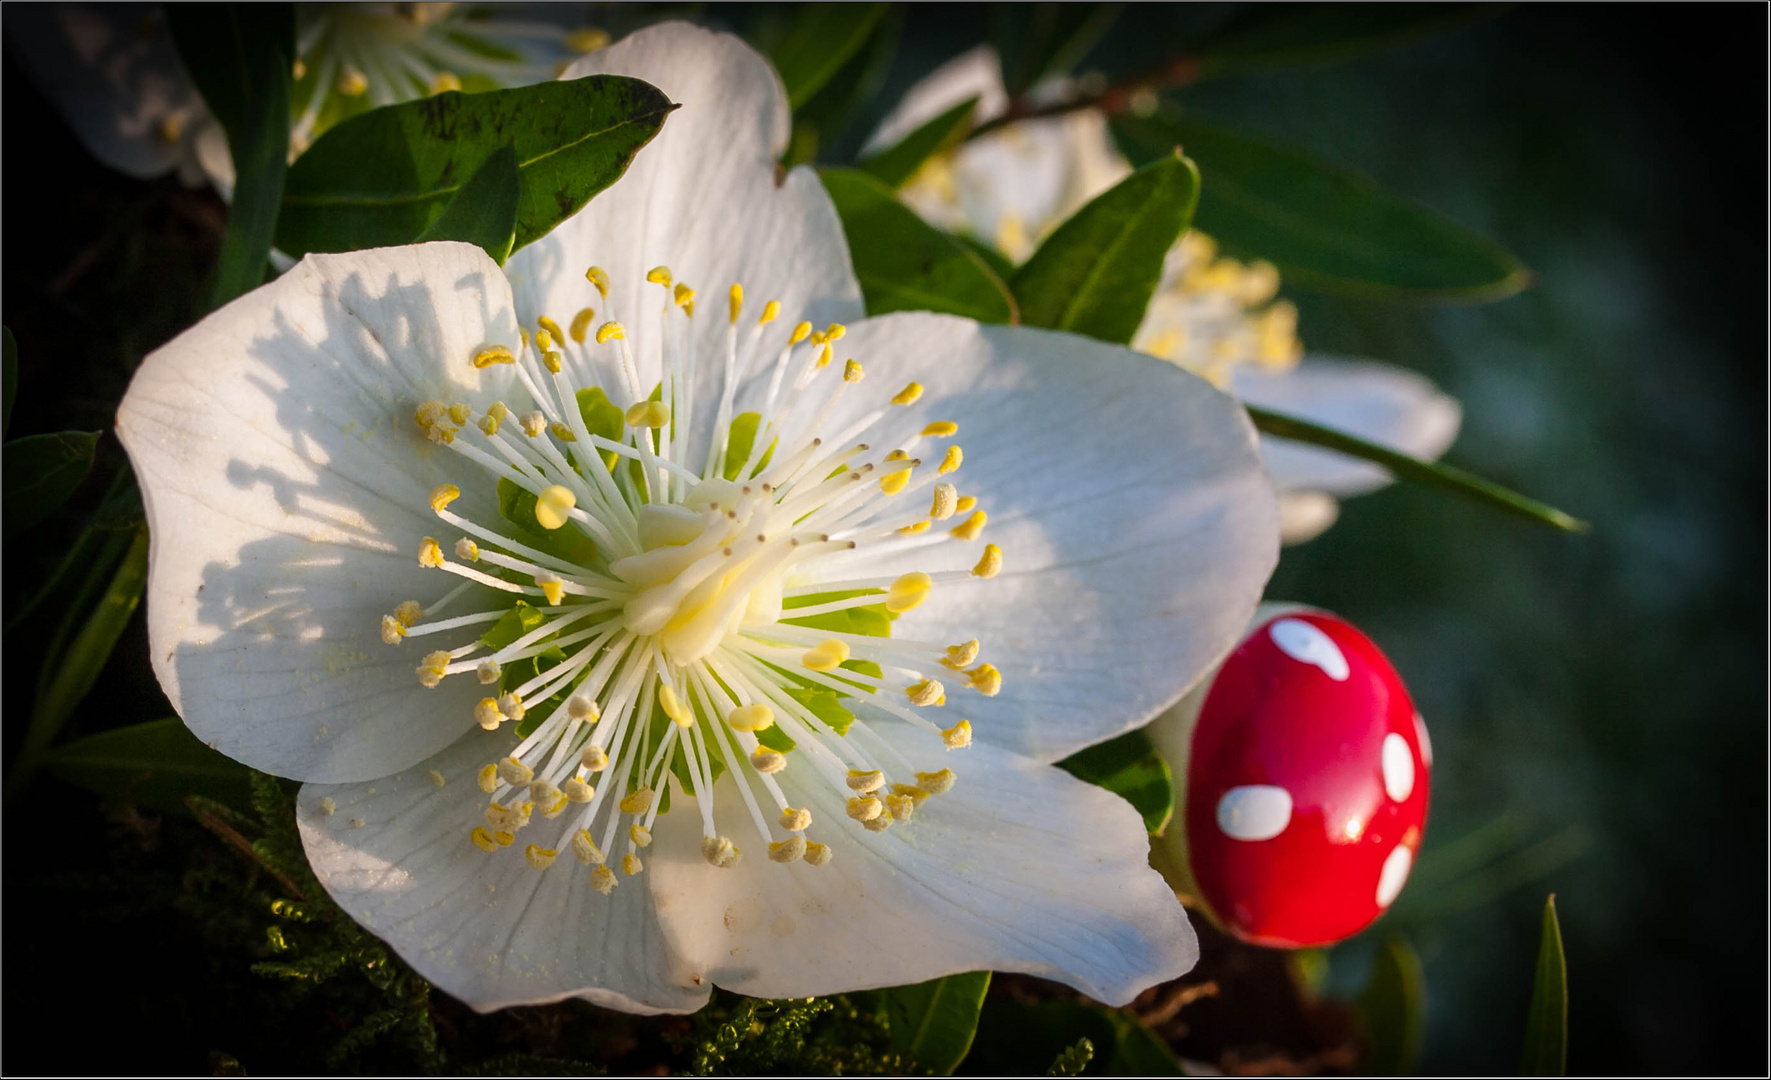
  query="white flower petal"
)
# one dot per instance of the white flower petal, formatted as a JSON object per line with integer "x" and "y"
{"x": 702, "y": 199}
{"x": 286, "y": 484}
{"x": 485, "y": 927}
{"x": 974, "y": 73}
{"x": 1379, "y": 403}
{"x": 1136, "y": 522}
{"x": 1018, "y": 868}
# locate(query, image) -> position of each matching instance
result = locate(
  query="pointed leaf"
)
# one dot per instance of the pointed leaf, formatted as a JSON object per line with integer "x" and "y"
{"x": 1323, "y": 226}
{"x": 484, "y": 211}
{"x": 905, "y": 264}
{"x": 382, "y": 178}
{"x": 1130, "y": 768}
{"x": 1265, "y": 36}
{"x": 1414, "y": 470}
{"x": 41, "y": 472}
{"x": 822, "y": 38}
{"x": 1546, "y": 1026}
{"x": 1095, "y": 275}
{"x": 1038, "y": 40}
{"x": 899, "y": 162}
{"x": 933, "y": 1023}
{"x": 1393, "y": 1006}
{"x": 152, "y": 765}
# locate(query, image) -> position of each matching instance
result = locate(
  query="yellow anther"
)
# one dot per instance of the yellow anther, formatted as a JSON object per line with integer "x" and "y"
{"x": 505, "y": 839}
{"x": 429, "y": 412}
{"x": 393, "y": 631}
{"x": 908, "y": 395}
{"x": 880, "y": 823}
{"x": 577, "y": 790}
{"x": 585, "y": 848}
{"x": 553, "y": 800}
{"x": 720, "y": 851}
{"x": 924, "y": 693}
{"x": 581, "y": 324}
{"x": 789, "y": 850}
{"x": 753, "y": 717}
{"x": 990, "y": 563}
{"x": 468, "y": 550}
{"x": 489, "y": 779}
{"x": 827, "y": 656}
{"x": 594, "y": 758}
{"x": 543, "y": 340}
{"x": 533, "y": 424}
{"x": 865, "y": 808}
{"x": 835, "y": 331}
{"x": 442, "y": 495}
{"x": 910, "y": 791}
{"x": 908, "y": 592}
{"x": 587, "y": 39}
{"x": 824, "y": 356}
{"x": 538, "y": 857}
{"x": 552, "y": 505}
{"x": 851, "y": 372}
{"x": 794, "y": 819}
{"x": 598, "y": 277}
{"x": 559, "y": 428}
{"x": 865, "y": 781}
{"x": 430, "y": 673}
{"x": 966, "y": 502}
{"x": 898, "y": 455}
{"x": 941, "y": 429}
{"x": 958, "y": 656}
{"x": 901, "y": 806}
{"x": 971, "y": 527}
{"x": 444, "y": 81}
{"x": 523, "y": 335}
{"x": 637, "y": 801}
{"x": 514, "y": 772}
{"x": 552, "y": 328}
{"x": 551, "y": 587}
{"x": 486, "y": 714}
{"x": 817, "y": 854}
{"x": 951, "y": 461}
{"x": 495, "y": 414}
{"x": 800, "y": 333}
{"x": 430, "y": 553}
{"x": 351, "y": 82}
{"x": 945, "y": 503}
{"x": 648, "y": 414}
{"x": 489, "y": 672}
{"x": 554, "y": 361}
{"x": 631, "y": 865}
{"x": 986, "y": 680}
{"x": 959, "y": 736}
{"x": 327, "y": 806}
{"x": 685, "y": 297}
{"x": 172, "y": 128}
{"x": 640, "y": 835}
{"x": 817, "y": 337}
{"x": 937, "y": 783}
{"x": 894, "y": 482}
{"x": 602, "y": 879}
{"x": 915, "y": 527}
{"x": 493, "y": 354}
{"x": 767, "y": 761}
{"x": 511, "y": 705}
{"x": 674, "y": 706}
{"x": 659, "y": 275}
{"x": 482, "y": 839}
{"x": 583, "y": 709}
{"x": 610, "y": 330}
{"x": 460, "y": 412}
{"x": 770, "y": 311}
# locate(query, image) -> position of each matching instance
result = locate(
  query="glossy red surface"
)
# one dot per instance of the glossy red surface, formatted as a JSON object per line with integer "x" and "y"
{"x": 1272, "y": 719}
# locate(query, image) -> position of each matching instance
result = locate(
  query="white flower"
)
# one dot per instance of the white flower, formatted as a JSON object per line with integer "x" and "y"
{"x": 1214, "y": 316}
{"x": 320, "y": 460}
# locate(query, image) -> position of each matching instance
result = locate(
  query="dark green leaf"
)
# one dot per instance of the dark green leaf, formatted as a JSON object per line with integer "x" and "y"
{"x": 933, "y": 1023}
{"x": 1546, "y": 1027}
{"x": 519, "y": 620}
{"x": 899, "y": 162}
{"x": 1414, "y": 470}
{"x": 1265, "y": 36}
{"x": 382, "y": 178}
{"x": 1037, "y": 40}
{"x": 1324, "y": 227}
{"x": 905, "y": 264}
{"x": 1130, "y": 768}
{"x": 1023, "y": 1039}
{"x": 1095, "y": 275}
{"x": 8, "y": 377}
{"x": 1139, "y": 1052}
{"x": 41, "y": 472}
{"x": 994, "y": 259}
{"x": 153, "y": 765}
{"x": 484, "y": 211}
{"x": 1393, "y": 1006}
{"x": 822, "y": 38}
{"x": 824, "y": 121}
{"x": 775, "y": 739}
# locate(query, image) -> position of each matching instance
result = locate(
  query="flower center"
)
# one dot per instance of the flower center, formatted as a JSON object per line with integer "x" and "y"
{"x": 1213, "y": 314}
{"x": 696, "y": 605}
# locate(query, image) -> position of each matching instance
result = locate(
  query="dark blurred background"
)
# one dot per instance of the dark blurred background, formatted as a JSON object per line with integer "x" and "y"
{"x": 1597, "y": 704}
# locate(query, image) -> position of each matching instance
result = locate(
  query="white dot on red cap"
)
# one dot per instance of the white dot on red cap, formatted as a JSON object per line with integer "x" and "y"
{"x": 1307, "y": 644}
{"x": 1394, "y": 874}
{"x": 1426, "y": 744}
{"x": 1398, "y": 767}
{"x": 1254, "y": 812}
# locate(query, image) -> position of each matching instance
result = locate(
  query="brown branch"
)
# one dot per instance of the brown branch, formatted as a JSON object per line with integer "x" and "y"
{"x": 209, "y": 820}
{"x": 1179, "y": 71}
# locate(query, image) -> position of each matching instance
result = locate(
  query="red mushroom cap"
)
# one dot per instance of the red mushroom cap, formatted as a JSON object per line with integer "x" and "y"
{"x": 1306, "y": 772}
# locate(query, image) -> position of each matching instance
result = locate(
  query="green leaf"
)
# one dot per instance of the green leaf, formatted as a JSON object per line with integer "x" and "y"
{"x": 1323, "y": 226}
{"x": 822, "y": 39}
{"x": 825, "y": 118}
{"x": 9, "y": 378}
{"x": 519, "y": 620}
{"x": 1546, "y": 1026}
{"x": 823, "y": 704}
{"x": 1139, "y": 1052}
{"x": 484, "y": 211}
{"x": 1095, "y": 275}
{"x": 740, "y": 441}
{"x": 905, "y": 264}
{"x": 240, "y": 56}
{"x": 382, "y": 178}
{"x": 40, "y": 474}
{"x": 152, "y": 765}
{"x": 1037, "y": 40}
{"x": 517, "y": 506}
{"x": 604, "y": 418}
{"x": 899, "y": 162}
{"x": 1022, "y": 1039}
{"x": 775, "y": 739}
{"x": 872, "y": 620}
{"x": 1265, "y": 36}
{"x": 933, "y": 1023}
{"x": 994, "y": 259}
{"x": 1393, "y": 1006}
{"x": 1414, "y": 470}
{"x": 1130, "y": 768}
